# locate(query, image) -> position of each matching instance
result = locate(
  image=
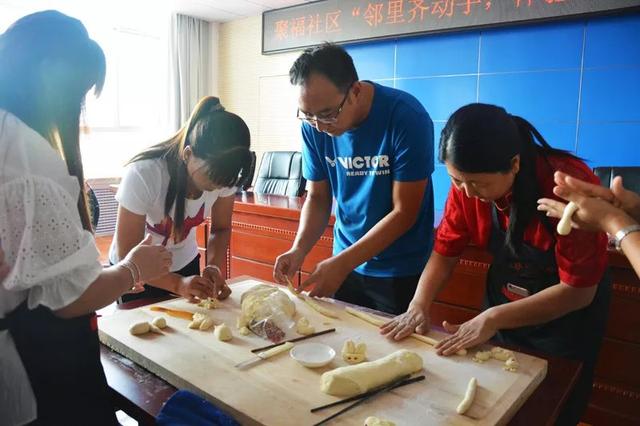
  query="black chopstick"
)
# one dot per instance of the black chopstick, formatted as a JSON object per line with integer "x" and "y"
{"x": 364, "y": 397}
{"x": 392, "y": 385}
{"x": 297, "y": 339}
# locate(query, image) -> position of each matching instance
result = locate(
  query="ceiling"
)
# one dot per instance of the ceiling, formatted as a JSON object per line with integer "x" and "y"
{"x": 229, "y": 10}
{"x": 210, "y": 10}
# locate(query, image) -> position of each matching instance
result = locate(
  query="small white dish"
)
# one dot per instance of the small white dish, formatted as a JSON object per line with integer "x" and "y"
{"x": 313, "y": 355}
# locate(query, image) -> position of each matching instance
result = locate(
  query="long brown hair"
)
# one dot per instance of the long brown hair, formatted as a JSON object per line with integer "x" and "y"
{"x": 47, "y": 65}
{"x": 218, "y": 137}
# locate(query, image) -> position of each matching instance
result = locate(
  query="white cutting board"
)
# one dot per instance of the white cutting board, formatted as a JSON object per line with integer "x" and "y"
{"x": 280, "y": 392}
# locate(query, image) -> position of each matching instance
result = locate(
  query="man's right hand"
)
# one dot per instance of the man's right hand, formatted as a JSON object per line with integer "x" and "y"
{"x": 415, "y": 320}
{"x": 287, "y": 264}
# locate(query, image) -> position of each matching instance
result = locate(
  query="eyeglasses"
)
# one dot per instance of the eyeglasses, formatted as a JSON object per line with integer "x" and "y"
{"x": 330, "y": 118}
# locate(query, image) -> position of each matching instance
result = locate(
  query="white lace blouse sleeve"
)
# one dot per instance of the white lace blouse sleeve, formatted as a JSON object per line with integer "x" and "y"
{"x": 53, "y": 257}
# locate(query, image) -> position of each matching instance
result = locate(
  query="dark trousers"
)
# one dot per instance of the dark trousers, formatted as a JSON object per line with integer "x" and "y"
{"x": 192, "y": 268}
{"x": 391, "y": 295}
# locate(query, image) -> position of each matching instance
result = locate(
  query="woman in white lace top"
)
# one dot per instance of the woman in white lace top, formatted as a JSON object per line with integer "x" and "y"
{"x": 50, "y": 368}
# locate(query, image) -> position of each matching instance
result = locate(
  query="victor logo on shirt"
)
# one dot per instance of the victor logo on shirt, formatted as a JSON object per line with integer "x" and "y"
{"x": 362, "y": 166}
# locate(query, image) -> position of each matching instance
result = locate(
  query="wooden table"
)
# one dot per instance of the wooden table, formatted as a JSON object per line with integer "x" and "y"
{"x": 141, "y": 394}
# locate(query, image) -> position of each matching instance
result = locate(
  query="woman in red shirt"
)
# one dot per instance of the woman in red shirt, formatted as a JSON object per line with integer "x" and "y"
{"x": 544, "y": 292}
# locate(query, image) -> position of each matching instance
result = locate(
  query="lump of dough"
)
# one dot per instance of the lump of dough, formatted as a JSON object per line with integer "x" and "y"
{"x": 206, "y": 324}
{"x": 223, "y": 333}
{"x": 303, "y": 327}
{"x": 352, "y": 353}
{"x": 201, "y": 321}
{"x": 357, "y": 379}
{"x": 375, "y": 421}
{"x": 154, "y": 329}
{"x": 159, "y": 322}
{"x": 469, "y": 395}
{"x": 139, "y": 328}
{"x": 482, "y": 356}
{"x": 208, "y": 303}
{"x": 501, "y": 354}
{"x": 564, "y": 225}
{"x": 511, "y": 364}
{"x": 245, "y": 331}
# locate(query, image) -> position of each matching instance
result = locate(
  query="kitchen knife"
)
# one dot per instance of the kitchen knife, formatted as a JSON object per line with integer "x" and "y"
{"x": 261, "y": 356}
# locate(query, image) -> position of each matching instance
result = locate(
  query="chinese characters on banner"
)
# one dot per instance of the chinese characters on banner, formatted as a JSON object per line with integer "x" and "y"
{"x": 350, "y": 20}
{"x": 390, "y": 12}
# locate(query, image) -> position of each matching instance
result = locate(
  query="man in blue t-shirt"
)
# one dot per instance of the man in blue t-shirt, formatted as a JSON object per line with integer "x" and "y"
{"x": 371, "y": 148}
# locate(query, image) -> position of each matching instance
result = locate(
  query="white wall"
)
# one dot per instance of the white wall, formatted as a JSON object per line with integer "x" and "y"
{"x": 132, "y": 112}
{"x": 257, "y": 88}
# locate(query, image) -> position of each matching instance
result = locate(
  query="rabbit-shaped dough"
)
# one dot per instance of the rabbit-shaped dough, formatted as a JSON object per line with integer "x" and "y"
{"x": 352, "y": 353}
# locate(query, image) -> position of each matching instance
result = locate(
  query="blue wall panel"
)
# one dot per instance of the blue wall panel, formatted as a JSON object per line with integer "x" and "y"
{"x": 535, "y": 96}
{"x": 611, "y": 95}
{"x": 545, "y": 47}
{"x": 610, "y": 144}
{"x": 612, "y": 41}
{"x": 441, "y": 96}
{"x": 374, "y": 61}
{"x": 438, "y": 55}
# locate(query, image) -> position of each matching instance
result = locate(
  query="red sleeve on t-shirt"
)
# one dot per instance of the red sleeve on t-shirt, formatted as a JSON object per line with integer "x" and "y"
{"x": 452, "y": 235}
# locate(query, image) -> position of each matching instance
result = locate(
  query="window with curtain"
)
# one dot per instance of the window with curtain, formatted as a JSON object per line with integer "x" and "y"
{"x": 132, "y": 111}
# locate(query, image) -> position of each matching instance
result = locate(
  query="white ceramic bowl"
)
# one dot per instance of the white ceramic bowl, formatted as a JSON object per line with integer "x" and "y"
{"x": 313, "y": 355}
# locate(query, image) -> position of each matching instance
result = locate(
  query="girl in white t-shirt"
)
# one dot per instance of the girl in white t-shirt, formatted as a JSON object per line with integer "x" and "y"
{"x": 50, "y": 369}
{"x": 172, "y": 187}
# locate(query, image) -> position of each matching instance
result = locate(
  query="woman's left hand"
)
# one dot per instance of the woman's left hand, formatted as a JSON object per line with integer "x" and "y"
{"x": 471, "y": 333}
{"x": 220, "y": 288}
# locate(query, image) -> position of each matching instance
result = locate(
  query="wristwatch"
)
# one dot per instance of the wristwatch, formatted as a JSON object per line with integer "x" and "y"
{"x": 621, "y": 234}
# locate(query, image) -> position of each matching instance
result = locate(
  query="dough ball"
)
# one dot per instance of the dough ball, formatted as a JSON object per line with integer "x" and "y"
{"x": 482, "y": 356}
{"x": 206, "y": 324}
{"x": 159, "y": 322}
{"x": 223, "y": 333}
{"x": 139, "y": 328}
{"x": 303, "y": 327}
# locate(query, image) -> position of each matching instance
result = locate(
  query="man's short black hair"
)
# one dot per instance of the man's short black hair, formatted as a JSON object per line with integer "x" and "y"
{"x": 329, "y": 60}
